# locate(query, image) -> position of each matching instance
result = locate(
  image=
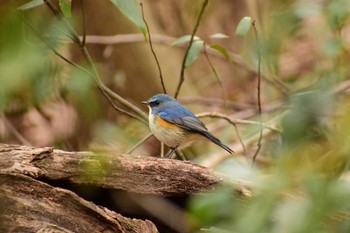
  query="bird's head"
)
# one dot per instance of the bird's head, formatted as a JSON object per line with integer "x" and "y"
{"x": 158, "y": 101}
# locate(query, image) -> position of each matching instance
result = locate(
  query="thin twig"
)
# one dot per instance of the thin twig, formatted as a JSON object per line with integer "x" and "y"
{"x": 182, "y": 73}
{"x": 15, "y": 132}
{"x": 57, "y": 13}
{"x": 96, "y": 76}
{"x": 236, "y": 121}
{"x": 141, "y": 119}
{"x": 48, "y": 45}
{"x": 109, "y": 93}
{"x": 216, "y": 75}
{"x": 216, "y": 158}
{"x": 240, "y": 139}
{"x": 258, "y": 94}
{"x": 55, "y": 51}
{"x": 341, "y": 87}
{"x": 120, "y": 109}
{"x": 215, "y": 102}
{"x": 227, "y": 118}
{"x": 153, "y": 52}
{"x": 168, "y": 40}
{"x": 84, "y": 22}
{"x": 139, "y": 143}
{"x": 54, "y": 10}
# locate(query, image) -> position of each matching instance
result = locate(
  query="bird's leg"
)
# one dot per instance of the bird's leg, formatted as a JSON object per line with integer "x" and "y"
{"x": 172, "y": 152}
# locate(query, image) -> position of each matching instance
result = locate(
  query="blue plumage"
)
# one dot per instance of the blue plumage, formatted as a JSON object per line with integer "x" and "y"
{"x": 171, "y": 111}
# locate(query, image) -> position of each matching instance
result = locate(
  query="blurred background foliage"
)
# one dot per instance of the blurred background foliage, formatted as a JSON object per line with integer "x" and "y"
{"x": 300, "y": 181}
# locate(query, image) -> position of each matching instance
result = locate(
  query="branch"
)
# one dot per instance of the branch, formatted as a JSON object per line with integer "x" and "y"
{"x": 168, "y": 40}
{"x": 140, "y": 143}
{"x": 140, "y": 174}
{"x": 153, "y": 52}
{"x": 216, "y": 75}
{"x": 215, "y": 102}
{"x": 81, "y": 44}
{"x": 236, "y": 121}
{"x": 258, "y": 95}
{"x": 182, "y": 73}
{"x": 100, "y": 85}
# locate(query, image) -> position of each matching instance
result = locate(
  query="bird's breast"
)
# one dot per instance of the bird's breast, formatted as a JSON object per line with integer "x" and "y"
{"x": 166, "y": 132}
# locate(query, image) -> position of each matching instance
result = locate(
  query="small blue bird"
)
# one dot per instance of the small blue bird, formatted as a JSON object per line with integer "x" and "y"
{"x": 175, "y": 125}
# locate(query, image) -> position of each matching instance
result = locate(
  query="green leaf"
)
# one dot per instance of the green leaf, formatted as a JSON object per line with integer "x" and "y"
{"x": 244, "y": 26}
{"x": 31, "y": 4}
{"x": 66, "y": 8}
{"x": 219, "y": 36}
{"x": 194, "y": 52}
{"x": 131, "y": 10}
{"x": 221, "y": 50}
{"x": 184, "y": 39}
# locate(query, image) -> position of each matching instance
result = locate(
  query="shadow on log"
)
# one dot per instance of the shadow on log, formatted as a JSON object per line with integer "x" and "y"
{"x": 28, "y": 205}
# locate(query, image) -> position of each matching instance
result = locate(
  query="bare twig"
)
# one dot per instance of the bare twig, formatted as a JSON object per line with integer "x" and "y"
{"x": 341, "y": 87}
{"x": 15, "y": 132}
{"x": 215, "y": 102}
{"x": 182, "y": 73}
{"x": 216, "y": 75}
{"x": 102, "y": 87}
{"x": 139, "y": 143}
{"x": 83, "y": 44}
{"x": 215, "y": 159}
{"x": 52, "y": 48}
{"x": 236, "y": 121}
{"x": 168, "y": 40}
{"x": 218, "y": 115}
{"x": 57, "y": 13}
{"x": 258, "y": 93}
{"x": 153, "y": 52}
{"x": 83, "y": 41}
{"x": 122, "y": 110}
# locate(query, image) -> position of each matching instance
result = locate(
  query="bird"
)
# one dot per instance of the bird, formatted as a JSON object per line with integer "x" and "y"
{"x": 175, "y": 125}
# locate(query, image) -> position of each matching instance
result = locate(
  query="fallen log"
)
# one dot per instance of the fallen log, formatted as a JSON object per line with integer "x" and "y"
{"x": 29, "y": 205}
{"x": 138, "y": 174}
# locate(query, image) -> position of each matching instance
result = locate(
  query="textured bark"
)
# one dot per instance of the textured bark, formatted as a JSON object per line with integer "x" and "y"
{"x": 28, "y": 205}
{"x": 139, "y": 174}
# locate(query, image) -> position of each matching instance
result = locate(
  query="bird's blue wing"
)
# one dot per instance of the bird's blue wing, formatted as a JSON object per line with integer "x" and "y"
{"x": 183, "y": 117}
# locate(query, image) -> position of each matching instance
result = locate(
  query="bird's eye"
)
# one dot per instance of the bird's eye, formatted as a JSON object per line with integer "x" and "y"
{"x": 154, "y": 103}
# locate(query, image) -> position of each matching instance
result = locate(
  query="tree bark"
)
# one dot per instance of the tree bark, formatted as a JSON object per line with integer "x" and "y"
{"x": 28, "y": 205}
{"x": 31, "y": 205}
{"x": 138, "y": 174}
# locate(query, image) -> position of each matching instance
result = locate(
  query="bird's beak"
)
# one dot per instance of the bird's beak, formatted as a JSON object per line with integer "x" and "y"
{"x": 145, "y": 102}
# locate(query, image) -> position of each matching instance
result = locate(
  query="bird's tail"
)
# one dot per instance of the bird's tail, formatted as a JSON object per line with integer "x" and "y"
{"x": 217, "y": 142}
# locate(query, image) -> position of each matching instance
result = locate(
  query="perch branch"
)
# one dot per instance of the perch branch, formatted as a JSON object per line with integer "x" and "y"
{"x": 138, "y": 174}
